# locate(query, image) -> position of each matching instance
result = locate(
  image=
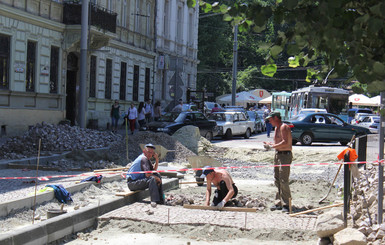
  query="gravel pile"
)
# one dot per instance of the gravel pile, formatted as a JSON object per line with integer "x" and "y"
{"x": 239, "y": 201}
{"x": 180, "y": 154}
{"x": 364, "y": 209}
{"x": 55, "y": 138}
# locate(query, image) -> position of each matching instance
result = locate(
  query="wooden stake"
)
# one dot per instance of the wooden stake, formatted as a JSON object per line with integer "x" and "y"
{"x": 110, "y": 170}
{"x": 181, "y": 183}
{"x": 317, "y": 209}
{"x": 290, "y": 208}
{"x": 37, "y": 175}
{"x": 233, "y": 209}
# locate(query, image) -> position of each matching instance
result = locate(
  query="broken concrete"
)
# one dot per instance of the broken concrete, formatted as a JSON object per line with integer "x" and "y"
{"x": 349, "y": 236}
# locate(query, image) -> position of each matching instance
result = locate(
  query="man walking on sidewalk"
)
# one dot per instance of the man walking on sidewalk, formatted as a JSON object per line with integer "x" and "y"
{"x": 283, "y": 156}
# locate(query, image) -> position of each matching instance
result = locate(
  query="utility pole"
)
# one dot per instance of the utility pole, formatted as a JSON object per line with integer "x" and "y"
{"x": 381, "y": 157}
{"x": 83, "y": 66}
{"x": 235, "y": 64}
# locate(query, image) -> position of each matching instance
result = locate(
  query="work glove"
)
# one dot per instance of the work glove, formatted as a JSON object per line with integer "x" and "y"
{"x": 221, "y": 204}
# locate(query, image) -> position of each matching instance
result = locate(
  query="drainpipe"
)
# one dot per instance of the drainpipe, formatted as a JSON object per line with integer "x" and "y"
{"x": 155, "y": 51}
{"x": 83, "y": 65}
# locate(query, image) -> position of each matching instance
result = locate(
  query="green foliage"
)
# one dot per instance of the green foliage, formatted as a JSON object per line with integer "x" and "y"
{"x": 350, "y": 34}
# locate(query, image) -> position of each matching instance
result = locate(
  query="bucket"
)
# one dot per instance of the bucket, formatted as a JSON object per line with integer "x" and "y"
{"x": 55, "y": 212}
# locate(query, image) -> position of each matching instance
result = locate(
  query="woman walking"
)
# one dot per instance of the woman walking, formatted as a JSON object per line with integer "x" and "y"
{"x": 132, "y": 115}
{"x": 141, "y": 115}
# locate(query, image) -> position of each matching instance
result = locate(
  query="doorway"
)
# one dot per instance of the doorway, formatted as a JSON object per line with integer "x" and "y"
{"x": 72, "y": 75}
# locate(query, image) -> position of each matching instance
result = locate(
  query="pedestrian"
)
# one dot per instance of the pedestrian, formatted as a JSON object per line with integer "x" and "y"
{"x": 269, "y": 127}
{"x": 148, "y": 111}
{"x": 142, "y": 181}
{"x": 132, "y": 116}
{"x": 226, "y": 188}
{"x": 178, "y": 107}
{"x": 115, "y": 116}
{"x": 216, "y": 108}
{"x": 141, "y": 115}
{"x": 283, "y": 156}
{"x": 157, "y": 111}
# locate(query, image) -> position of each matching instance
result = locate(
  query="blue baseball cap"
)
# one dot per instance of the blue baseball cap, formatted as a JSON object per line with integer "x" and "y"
{"x": 206, "y": 170}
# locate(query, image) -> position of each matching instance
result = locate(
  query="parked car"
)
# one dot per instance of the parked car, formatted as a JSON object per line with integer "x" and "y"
{"x": 359, "y": 117}
{"x": 352, "y": 113}
{"x": 189, "y": 107}
{"x": 232, "y": 123}
{"x": 258, "y": 121}
{"x": 323, "y": 127}
{"x": 172, "y": 121}
{"x": 371, "y": 122}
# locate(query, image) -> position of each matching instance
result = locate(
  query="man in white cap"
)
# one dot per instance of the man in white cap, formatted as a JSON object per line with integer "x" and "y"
{"x": 142, "y": 181}
{"x": 226, "y": 188}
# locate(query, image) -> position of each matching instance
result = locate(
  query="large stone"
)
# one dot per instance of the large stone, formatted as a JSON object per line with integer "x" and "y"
{"x": 329, "y": 223}
{"x": 189, "y": 136}
{"x": 349, "y": 236}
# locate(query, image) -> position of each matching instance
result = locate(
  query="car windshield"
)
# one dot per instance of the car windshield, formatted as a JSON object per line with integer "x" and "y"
{"x": 298, "y": 117}
{"x": 376, "y": 119}
{"x": 169, "y": 117}
{"x": 220, "y": 117}
{"x": 210, "y": 105}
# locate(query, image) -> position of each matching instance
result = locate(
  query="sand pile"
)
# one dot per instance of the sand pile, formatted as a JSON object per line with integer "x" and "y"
{"x": 55, "y": 138}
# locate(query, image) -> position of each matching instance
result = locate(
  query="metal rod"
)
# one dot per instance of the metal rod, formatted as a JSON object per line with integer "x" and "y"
{"x": 37, "y": 175}
{"x": 83, "y": 65}
{"x": 235, "y": 65}
{"x": 381, "y": 157}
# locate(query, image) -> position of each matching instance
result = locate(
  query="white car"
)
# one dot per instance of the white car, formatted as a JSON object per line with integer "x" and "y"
{"x": 232, "y": 123}
{"x": 307, "y": 111}
{"x": 370, "y": 122}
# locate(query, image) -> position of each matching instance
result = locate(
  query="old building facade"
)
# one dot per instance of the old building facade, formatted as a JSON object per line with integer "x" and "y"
{"x": 40, "y": 55}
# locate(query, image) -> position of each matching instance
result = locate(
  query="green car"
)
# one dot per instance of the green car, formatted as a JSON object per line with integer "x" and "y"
{"x": 322, "y": 127}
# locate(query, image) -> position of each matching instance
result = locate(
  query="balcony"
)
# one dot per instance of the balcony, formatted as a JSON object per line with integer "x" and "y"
{"x": 99, "y": 17}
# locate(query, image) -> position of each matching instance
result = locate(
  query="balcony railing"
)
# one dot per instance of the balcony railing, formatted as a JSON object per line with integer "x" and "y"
{"x": 99, "y": 17}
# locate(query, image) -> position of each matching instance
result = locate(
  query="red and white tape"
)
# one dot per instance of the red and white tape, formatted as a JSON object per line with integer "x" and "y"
{"x": 46, "y": 178}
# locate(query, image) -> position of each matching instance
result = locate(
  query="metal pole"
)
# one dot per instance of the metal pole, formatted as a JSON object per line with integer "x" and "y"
{"x": 83, "y": 65}
{"x": 381, "y": 157}
{"x": 235, "y": 64}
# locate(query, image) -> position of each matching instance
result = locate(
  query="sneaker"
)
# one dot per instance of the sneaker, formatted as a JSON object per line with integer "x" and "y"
{"x": 275, "y": 207}
{"x": 153, "y": 204}
{"x": 285, "y": 209}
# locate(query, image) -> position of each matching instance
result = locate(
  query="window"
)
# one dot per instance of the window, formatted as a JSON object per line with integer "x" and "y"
{"x": 124, "y": 13}
{"x": 135, "y": 87}
{"x": 166, "y": 24}
{"x": 148, "y": 20}
{"x": 191, "y": 30}
{"x": 54, "y": 70}
{"x": 108, "y": 87}
{"x": 137, "y": 16}
{"x": 179, "y": 23}
{"x": 123, "y": 79}
{"x": 4, "y": 61}
{"x": 147, "y": 84}
{"x": 200, "y": 117}
{"x": 93, "y": 77}
{"x": 31, "y": 67}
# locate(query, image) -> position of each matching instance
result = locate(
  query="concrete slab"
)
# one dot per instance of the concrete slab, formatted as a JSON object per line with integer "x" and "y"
{"x": 55, "y": 228}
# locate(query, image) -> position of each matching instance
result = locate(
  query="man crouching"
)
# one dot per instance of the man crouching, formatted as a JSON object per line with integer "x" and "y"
{"x": 142, "y": 181}
{"x": 226, "y": 188}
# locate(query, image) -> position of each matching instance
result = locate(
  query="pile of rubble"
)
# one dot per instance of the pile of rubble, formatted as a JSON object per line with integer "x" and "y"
{"x": 190, "y": 137}
{"x": 55, "y": 138}
{"x": 239, "y": 201}
{"x": 71, "y": 165}
{"x": 180, "y": 154}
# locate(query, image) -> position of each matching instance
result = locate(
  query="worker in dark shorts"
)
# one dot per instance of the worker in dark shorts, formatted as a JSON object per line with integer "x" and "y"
{"x": 226, "y": 188}
{"x": 142, "y": 181}
{"x": 283, "y": 156}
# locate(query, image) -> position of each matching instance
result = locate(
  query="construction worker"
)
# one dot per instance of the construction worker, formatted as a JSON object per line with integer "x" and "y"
{"x": 283, "y": 156}
{"x": 142, "y": 181}
{"x": 226, "y": 188}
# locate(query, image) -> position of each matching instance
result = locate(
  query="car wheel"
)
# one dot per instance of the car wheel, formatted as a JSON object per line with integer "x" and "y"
{"x": 228, "y": 134}
{"x": 294, "y": 142}
{"x": 306, "y": 139}
{"x": 248, "y": 133}
{"x": 209, "y": 136}
{"x": 200, "y": 181}
{"x": 344, "y": 143}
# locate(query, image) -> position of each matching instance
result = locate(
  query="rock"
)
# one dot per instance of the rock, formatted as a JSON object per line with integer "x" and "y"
{"x": 249, "y": 204}
{"x": 324, "y": 241}
{"x": 363, "y": 230}
{"x": 371, "y": 199}
{"x": 380, "y": 234}
{"x": 189, "y": 136}
{"x": 371, "y": 237}
{"x": 349, "y": 236}
{"x": 37, "y": 217}
{"x": 76, "y": 207}
{"x": 329, "y": 223}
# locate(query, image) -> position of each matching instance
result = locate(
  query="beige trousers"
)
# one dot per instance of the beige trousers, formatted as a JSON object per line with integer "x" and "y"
{"x": 281, "y": 178}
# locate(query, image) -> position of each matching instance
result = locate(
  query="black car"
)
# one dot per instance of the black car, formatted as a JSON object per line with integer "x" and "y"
{"x": 322, "y": 127}
{"x": 172, "y": 121}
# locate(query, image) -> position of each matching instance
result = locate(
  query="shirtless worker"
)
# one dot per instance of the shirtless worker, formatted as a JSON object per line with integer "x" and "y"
{"x": 283, "y": 156}
{"x": 226, "y": 188}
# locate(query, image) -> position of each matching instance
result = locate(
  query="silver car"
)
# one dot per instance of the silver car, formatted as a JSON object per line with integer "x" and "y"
{"x": 232, "y": 123}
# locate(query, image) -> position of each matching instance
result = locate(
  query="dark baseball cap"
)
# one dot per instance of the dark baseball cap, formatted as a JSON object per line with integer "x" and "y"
{"x": 274, "y": 114}
{"x": 206, "y": 170}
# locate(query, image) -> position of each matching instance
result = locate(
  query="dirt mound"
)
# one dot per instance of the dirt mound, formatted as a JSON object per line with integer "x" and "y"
{"x": 55, "y": 138}
{"x": 180, "y": 154}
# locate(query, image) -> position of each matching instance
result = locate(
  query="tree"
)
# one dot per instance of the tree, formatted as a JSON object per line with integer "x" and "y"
{"x": 349, "y": 33}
